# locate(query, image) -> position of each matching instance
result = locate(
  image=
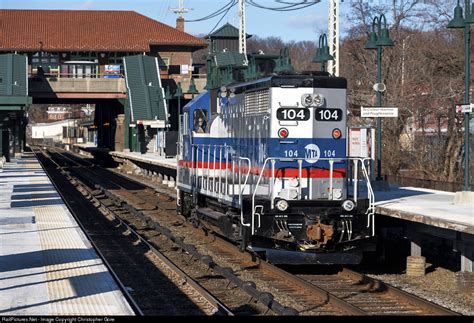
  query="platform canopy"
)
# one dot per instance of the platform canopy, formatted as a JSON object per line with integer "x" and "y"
{"x": 13, "y": 102}
{"x": 145, "y": 94}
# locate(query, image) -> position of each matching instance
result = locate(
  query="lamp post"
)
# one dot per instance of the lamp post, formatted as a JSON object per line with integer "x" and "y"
{"x": 459, "y": 22}
{"x": 168, "y": 97}
{"x": 322, "y": 53}
{"x": 379, "y": 37}
{"x": 192, "y": 88}
{"x": 178, "y": 94}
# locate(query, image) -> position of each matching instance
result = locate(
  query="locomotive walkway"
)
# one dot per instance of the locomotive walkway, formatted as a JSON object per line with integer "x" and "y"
{"x": 47, "y": 265}
{"x": 424, "y": 211}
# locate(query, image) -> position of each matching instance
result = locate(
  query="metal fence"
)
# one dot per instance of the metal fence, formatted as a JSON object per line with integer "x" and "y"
{"x": 426, "y": 183}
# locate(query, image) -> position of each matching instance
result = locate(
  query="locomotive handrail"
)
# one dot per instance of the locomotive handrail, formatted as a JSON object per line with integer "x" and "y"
{"x": 241, "y": 189}
{"x": 370, "y": 192}
{"x": 370, "y": 210}
{"x": 196, "y": 167}
{"x": 204, "y": 178}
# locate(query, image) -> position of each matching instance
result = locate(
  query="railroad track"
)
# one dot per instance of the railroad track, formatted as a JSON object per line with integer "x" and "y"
{"x": 141, "y": 208}
{"x": 151, "y": 283}
{"x": 373, "y": 296}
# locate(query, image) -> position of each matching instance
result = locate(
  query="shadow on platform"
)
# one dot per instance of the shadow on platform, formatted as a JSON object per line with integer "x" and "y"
{"x": 48, "y": 189}
{"x": 33, "y": 259}
{"x": 17, "y": 220}
{"x": 43, "y": 202}
{"x": 397, "y": 193}
{"x": 82, "y": 286}
{"x": 34, "y": 196}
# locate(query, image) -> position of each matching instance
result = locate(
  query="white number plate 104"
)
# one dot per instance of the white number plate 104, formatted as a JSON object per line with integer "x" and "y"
{"x": 324, "y": 114}
{"x": 300, "y": 114}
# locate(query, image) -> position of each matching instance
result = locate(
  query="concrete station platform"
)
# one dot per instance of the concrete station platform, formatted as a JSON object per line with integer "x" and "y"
{"x": 47, "y": 265}
{"x": 151, "y": 159}
{"x": 432, "y": 213}
{"x": 431, "y": 207}
{"x": 159, "y": 168}
{"x": 148, "y": 158}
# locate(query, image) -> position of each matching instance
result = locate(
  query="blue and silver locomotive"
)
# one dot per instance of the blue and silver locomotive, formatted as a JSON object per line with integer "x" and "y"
{"x": 265, "y": 163}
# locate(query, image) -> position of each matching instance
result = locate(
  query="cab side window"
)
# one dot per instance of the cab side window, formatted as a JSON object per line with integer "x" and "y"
{"x": 200, "y": 120}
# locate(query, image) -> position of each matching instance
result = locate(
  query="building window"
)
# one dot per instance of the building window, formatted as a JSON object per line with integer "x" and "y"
{"x": 174, "y": 69}
{"x": 116, "y": 58}
{"x": 45, "y": 63}
{"x": 84, "y": 56}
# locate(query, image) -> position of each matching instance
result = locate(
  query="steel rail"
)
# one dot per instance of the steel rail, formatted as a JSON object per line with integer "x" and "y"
{"x": 201, "y": 290}
{"x": 122, "y": 287}
{"x": 221, "y": 308}
{"x": 419, "y": 302}
{"x": 297, "y": 281}
{"x": 264, "y": 298}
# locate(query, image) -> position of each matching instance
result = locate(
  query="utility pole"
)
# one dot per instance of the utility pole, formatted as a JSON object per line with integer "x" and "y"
{"x": 333, "y": 41}
{"x": 242, "y": 34}
{"x": 181, "y": 9}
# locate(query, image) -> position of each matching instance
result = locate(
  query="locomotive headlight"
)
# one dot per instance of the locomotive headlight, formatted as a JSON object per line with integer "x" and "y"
{"x": 348, "y": 205}
{"x": 318, "y": 100}
{"x": 307, "y": 100}
{"x": 282, "y": 205}
{"x": 294, "y": 182}
{"x": 337, "y": 193}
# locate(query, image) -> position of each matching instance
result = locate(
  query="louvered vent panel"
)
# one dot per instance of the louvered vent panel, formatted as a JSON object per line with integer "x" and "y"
{"x": 257, "y": 103}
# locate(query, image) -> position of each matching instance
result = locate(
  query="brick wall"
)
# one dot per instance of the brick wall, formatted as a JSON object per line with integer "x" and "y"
{"x": 177, "y": 58}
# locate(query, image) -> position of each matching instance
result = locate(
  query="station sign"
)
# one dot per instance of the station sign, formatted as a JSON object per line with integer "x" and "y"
{"x": 378, "y": 112}
{"x": 152, "y": 123}
{"x": 362, "y": 142}
{"x": 465, "y": 108}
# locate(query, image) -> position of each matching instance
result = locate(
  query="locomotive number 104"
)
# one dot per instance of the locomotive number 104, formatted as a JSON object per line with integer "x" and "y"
{"x": 302, "y": 114}
{"x": 293, "y": 114}
{"x": 323, "y": 114}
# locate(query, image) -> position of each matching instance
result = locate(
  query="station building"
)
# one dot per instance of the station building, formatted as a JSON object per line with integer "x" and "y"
{"x": 77, "y": 57}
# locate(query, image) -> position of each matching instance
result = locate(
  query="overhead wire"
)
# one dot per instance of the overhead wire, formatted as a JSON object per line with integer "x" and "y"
{"x": 287, "y": 5}
{"x": 167, "y": 10}
{"x": 216, "y": 13}
{"x": 163, "y": 8}
{"x": 225, "y": 14}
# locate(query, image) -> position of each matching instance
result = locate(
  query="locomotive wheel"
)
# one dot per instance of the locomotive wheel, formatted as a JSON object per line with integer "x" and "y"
{"x": 244, "y": 238}
{"x": 193, "y": 218}
{"x": 186, "y": 204}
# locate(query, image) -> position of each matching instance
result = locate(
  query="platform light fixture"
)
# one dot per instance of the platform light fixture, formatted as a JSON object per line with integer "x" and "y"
{"x": 192, "y": 87}
{"x": 459, "y": 22}
{"x": 322, "y": 52}
{"x": 379, "y": 37}
{"x": 178, "y": 94}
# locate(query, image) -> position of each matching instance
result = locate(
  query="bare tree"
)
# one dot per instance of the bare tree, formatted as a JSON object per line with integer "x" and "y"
{"x": 423, "y": 74}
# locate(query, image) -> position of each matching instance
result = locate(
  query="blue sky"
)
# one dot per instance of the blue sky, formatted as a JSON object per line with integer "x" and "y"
{"x": 304, "y": 24}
